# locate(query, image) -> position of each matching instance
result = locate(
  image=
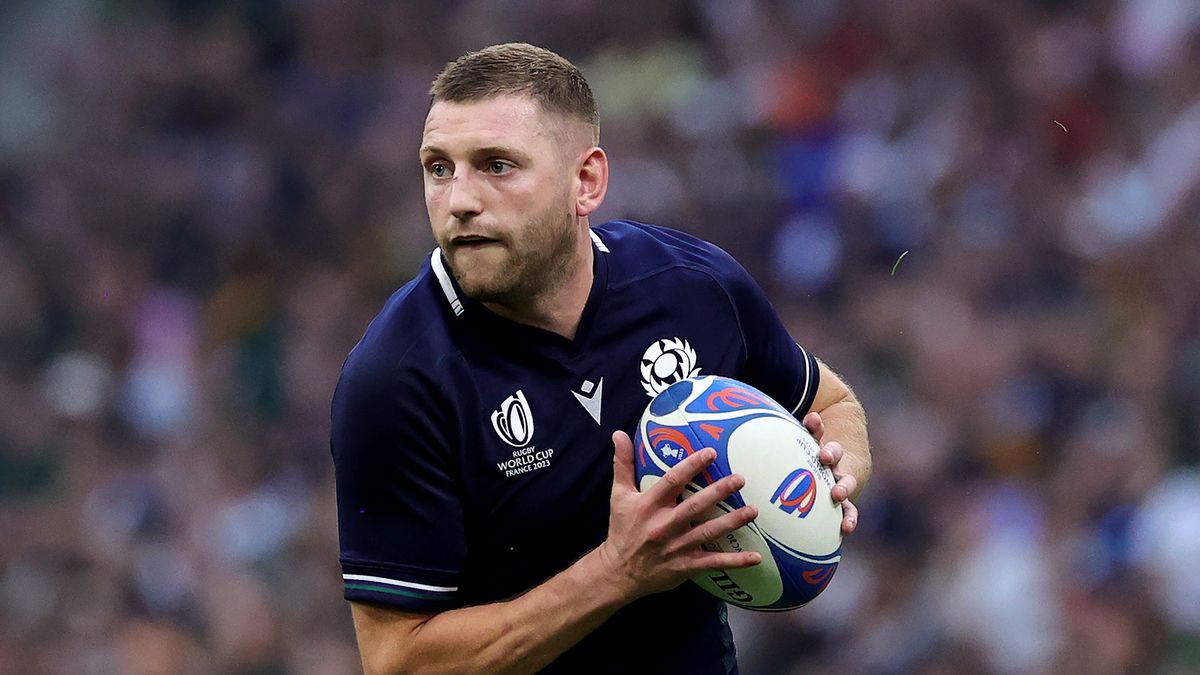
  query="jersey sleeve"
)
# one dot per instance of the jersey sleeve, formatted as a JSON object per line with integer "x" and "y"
{"x": 775, "y": 363}
{"x": 400, "y": 521}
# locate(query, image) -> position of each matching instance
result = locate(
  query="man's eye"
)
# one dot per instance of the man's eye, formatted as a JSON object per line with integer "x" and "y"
{"x": 438, "y": 170}
{"x": 498, "y": 167}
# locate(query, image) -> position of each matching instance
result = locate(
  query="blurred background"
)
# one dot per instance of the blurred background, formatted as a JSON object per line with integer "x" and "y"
{"x": 202, "y": 204}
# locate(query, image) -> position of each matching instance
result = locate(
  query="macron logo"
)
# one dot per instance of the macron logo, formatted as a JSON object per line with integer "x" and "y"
{"x": 589, "y": 396}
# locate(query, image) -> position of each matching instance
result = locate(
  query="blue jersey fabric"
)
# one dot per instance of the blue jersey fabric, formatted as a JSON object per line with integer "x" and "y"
{"x": 469, "y": 460}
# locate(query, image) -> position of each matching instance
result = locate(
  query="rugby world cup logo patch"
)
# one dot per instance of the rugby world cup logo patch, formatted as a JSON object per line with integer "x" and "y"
{"x": 666, "y": 362}
{"x": 513, "y": 422}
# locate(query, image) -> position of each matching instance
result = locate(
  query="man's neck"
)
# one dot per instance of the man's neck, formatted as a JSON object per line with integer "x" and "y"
{"x": 560, "y": 309}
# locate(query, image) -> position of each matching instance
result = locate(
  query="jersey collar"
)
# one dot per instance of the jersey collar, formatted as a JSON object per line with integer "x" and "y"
{"x": 471, "y": 311}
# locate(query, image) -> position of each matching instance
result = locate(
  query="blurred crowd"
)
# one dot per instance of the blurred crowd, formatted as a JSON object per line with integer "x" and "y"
{"x": 983, "y": 214}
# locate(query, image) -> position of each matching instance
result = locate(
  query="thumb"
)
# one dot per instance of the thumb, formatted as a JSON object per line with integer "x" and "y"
{"x": 623, "y": 475}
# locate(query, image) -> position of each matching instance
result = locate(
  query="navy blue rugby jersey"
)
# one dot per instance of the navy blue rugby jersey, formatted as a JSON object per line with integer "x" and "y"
{"x": 473, "y": 454}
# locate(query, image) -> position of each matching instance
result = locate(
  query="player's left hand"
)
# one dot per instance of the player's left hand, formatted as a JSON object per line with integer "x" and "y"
{"x": 831, "y": 455}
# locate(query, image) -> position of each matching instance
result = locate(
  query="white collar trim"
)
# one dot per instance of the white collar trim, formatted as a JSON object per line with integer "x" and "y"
{"x": 443, "y": 276}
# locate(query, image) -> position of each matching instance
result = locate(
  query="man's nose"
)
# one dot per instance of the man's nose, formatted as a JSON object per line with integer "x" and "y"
{"x": 464, "y": 199}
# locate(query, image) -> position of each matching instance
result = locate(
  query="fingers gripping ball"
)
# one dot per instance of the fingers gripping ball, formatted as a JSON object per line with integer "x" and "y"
{"x": 798, "y": 528}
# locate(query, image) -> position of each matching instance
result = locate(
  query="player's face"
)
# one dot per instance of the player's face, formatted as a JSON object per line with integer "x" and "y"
{"x": 497, "y": 187}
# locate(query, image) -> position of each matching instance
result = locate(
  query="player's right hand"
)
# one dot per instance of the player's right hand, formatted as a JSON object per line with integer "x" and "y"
{"x": 654, "y": 540}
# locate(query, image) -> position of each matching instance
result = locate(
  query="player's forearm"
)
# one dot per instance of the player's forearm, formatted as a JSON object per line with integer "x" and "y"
{"x": 846, "y": 422}
{"x": 517, "y": 636}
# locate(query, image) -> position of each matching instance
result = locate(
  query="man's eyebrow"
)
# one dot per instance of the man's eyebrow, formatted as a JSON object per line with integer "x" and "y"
{"x": 498, "y": 150}
{"x": 486, "y": 151}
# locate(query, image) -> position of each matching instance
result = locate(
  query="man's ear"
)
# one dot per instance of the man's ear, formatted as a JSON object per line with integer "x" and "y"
{"x": 591, "y": 181}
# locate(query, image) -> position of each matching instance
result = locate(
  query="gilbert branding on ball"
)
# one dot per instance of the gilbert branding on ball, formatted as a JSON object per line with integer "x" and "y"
{"x": 798, "y": 528}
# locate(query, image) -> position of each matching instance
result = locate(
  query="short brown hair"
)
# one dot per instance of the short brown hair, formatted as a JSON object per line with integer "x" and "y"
{"x": 522, "y": 69}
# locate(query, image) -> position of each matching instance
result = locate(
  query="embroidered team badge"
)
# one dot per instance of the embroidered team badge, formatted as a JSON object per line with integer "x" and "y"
{"x": 666, "y": 362}
{"x": 513, "y": 422}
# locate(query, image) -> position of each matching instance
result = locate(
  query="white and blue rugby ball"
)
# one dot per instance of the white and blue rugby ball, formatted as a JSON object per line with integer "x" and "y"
{"x": 798, "y": 528}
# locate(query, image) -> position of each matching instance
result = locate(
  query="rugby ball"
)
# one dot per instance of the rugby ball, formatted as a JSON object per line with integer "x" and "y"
{"x": 798, "y": 528}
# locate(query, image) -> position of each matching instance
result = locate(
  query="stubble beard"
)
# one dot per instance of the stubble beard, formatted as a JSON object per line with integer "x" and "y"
{"x": 536, "y": 266}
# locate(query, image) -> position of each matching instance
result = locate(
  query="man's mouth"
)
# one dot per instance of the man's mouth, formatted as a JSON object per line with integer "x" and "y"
{"x": 472, "y": 241}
